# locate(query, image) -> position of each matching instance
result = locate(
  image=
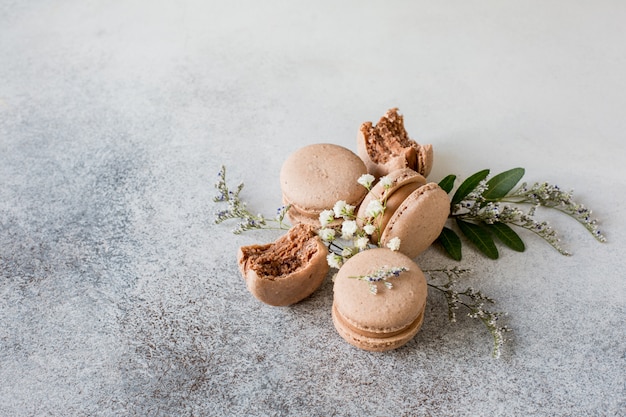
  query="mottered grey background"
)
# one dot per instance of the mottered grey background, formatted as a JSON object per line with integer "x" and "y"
{"x": 120, "y": 296}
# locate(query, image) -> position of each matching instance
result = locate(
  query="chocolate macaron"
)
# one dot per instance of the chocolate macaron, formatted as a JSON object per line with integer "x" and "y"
{"x": 314, "y": 178}
{"x": 286, "y": 271}
{"x": 415, "y": 211}
{"x": 388, "y": 318}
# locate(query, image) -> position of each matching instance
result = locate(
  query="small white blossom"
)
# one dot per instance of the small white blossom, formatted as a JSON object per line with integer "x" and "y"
{"x": 394, "y": 243}
{"x": 339, "y": 207}
{"x": 348, "y": 229}
{"x": 327, "y": 234}
{"x": 334, "y": 260}
{"x": 366, "y": 180}
{"x": 326, "y": 217}
{"x": 386, "y": 181}
{"x": 343, "y": 209}
{"x": 374, "y": 208}
{"x": 369, "y": 228}
{"x": 362, "y": 243}
{"x": 347, "y": 252}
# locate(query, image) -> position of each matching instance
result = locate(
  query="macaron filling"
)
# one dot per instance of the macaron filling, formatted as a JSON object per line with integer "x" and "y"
{"x": 286, "y": 255}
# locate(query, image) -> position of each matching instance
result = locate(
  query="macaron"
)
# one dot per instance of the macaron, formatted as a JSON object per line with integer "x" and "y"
{"x": 286, "y": 271}
{"x": 415, "y": 211}
{"x": 384, "y": 320}
{"x": 386, "y": 146}
{"x": 314, "y": 178}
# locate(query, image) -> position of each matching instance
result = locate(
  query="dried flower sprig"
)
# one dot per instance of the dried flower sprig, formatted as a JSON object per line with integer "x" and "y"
{"x": 472, "y": 300}
{"x": 382, "y": 274}
{"x": 237, "y": 209}
{"x": 484, "y": 208}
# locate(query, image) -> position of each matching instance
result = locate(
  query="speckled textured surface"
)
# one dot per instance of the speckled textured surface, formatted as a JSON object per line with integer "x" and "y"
{"x": 118, "y": 294}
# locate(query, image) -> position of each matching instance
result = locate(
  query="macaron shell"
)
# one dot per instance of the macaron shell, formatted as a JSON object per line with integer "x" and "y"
{"x": 315, "y": 177}
{"x": 419, "y": 220}
{"x": 385, "y": 320}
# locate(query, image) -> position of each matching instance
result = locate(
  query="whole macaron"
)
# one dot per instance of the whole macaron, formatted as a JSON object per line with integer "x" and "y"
{"x": 387, "y": 317}
{"x": 415, "y": 211}
{"x": 285, "y": 271}
{"x": 314, "y": 178}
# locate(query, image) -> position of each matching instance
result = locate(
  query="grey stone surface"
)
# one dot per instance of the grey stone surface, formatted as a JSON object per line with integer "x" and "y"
{"x": 118, "y": 294}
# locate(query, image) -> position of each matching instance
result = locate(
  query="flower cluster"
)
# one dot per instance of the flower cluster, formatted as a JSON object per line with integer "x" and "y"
{"x": 237, "y": 209}
{"x": 341, "y": 223}
{"x": 381, "y": 274}
{"x": 472, "y": 300}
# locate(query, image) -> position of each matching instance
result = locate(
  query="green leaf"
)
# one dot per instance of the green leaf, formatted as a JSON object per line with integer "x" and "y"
{"x": 451, "y": 243}
{"x": 501, "y": 184}
{"x": 507, "y": 236}
{"x": 447, "y": 183}
{"x": 480, "y": 237}
{"x": 468, "y": 185}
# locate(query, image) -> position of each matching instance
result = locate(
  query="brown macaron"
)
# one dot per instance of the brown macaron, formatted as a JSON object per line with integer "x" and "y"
{"x": 286, "y": 271}
{"x": 415, "y": 211}
{"x": 386, "y": 146}
{"x": 387, "y": 319}
{"x": 315, "y": 177}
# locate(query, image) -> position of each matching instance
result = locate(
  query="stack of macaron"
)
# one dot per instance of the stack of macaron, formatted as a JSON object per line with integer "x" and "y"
{"x": 312, "y": 180}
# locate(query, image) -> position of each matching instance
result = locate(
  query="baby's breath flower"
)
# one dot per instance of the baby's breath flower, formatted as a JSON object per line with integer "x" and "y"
{"x": 386, "y": 181}
{"x": 343, "y": 210}
{"x": 394, "y": 244}
{"x": 334, "y": 260}
{"x": 369, "y": 228}
{"x": 348, "y": 229}
{"x": 366, "y": 180}
{"x": 374, "y": 208}
{"x": 326, "y": 217}
{"x": 361, "y": 243}
{"x": 327, "y": 234}
{"x": 347, "y": 252}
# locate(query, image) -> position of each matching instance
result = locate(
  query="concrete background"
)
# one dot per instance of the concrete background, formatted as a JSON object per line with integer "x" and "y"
{"x": 118, "y": 294}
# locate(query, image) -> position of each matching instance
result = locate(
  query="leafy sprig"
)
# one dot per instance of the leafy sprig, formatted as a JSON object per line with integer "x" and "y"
{"x": 237, "y": 209}
{"x": 472, "y": 300}
{"x": 483, "y": 208}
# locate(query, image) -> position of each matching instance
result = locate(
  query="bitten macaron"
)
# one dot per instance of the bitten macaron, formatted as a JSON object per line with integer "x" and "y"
{"x": 286, "y": 271}
{"x": 386, "y": 146}
{"x": 384, "y": 320}
{"x": 314, "y": 178}
{"x": 415, "y": 211}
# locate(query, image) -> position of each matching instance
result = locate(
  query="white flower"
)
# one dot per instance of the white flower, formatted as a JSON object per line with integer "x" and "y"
{"x": 369, "y": 228}
{"x": 394, "y": 243}
{"x": 347, "y": 252}
{"x": 327, "y": 217}
{"x": 374, "y": 208}
{"x": 348, "y": 229}
{"x": 334, "y": 260}
{"x": 386, "y": 181}
{"x": 343, "y": 209}
{"x": 362, "y": 243}
{"x": 366, "y": 180}
{"x": 327, "y": 234}
{"x": 339, "y": 207}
